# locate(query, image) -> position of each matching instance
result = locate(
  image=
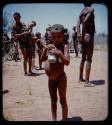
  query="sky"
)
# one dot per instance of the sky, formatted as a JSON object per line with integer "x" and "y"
{"x": 52, "y": 13}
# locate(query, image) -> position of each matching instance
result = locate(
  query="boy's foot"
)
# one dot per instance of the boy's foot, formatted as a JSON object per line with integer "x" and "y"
{"x": 81, "y": 80}
{"x": 25, "y": 74}
{"x": 88, "y": 84}
{"x": 41, "y": 68}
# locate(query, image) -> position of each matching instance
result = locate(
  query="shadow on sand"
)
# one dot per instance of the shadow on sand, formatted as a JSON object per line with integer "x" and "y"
{"x": 5, "y": 91}
{"x": 35, "y": 74}
{"x": 98, "y": 82}
{"x": 75, "y": 118}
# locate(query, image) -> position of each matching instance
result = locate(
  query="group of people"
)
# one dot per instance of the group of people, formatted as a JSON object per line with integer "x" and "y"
{"x": 54, "y": 52}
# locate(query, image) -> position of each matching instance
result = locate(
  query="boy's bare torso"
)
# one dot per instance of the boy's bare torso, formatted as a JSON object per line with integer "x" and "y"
{"x": 54, "y": 70}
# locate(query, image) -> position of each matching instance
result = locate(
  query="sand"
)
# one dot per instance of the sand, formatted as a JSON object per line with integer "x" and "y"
{"x": 28, "y": 97}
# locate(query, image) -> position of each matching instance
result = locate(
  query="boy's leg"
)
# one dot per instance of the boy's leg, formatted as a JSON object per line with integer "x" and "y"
{"x": 25, "y": 58}
{"x": 30, "y": 54}
{"x": 89, "y": 60}
{"x": 82, "y": 64}
{"x": 53, "y": 94}
{"x": 62, "y": 87}
{"x": 40, "y": 62}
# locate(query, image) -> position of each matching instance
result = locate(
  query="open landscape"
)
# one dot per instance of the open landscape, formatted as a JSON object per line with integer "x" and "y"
{"x": 28, "y": 98}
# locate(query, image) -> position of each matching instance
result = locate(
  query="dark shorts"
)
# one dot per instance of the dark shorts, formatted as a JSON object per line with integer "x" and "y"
{"x": 22, "y": 45}
{"x": 29, "y": 52}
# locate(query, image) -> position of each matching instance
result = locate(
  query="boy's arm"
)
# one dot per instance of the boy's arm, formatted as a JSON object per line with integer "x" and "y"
{"x": 90, "y": 10}
{"x": 78, "y": 27}
{"x": 66, "y": 56}
{"x": 43, "y": 55}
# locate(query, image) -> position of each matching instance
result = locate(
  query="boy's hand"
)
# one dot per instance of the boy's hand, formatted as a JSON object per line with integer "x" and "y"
{"x": 55, "y": 52}
{"x": 50, "y": 46}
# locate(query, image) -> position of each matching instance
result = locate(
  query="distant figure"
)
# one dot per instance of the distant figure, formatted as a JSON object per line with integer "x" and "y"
{"x": 56, "y": 55}
{"x": 6, "y": 45}
{"x": 86, "y": 18}
{"x": 48, "y": 35}
{"x": 66, "y": 35}
{"x": 40, "y": 48}
{"x": 75, "y": 40}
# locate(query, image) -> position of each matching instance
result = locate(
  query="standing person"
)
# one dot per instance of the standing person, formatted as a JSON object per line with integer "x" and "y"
{"x": 56, "y": 55}
{"x": 30, "y": 45}
{"x": 19, "y": 32}
{"x": 75, "y": 40}
{"x": 40, "y": 48}
{"x": 86, "y": 18}
{"x": 17, "y": 29}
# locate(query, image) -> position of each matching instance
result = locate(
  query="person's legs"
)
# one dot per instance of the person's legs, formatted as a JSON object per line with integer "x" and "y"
{"x": 90, "y": 48}
{"x": 25, "y": 58}
{"x": 62, "y": 87}
{"x": 82, "y": 64}
{"x": 40, "y": 62}
{"x": 75, "y": 48}
{"x": 30, "y": 65}
{"x": 88, "y": 63}
{"x": 30, "y": 54}
{"x": 53, "y": 94}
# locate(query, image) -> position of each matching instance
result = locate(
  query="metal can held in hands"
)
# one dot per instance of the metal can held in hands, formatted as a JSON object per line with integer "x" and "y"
{"x": 52, "y": 58}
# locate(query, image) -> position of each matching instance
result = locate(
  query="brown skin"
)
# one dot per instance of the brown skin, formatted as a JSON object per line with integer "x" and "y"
{"x": 27, "y": 57}
{"x": 16, "y": 36}
{"x": 88, "y": 26}
{"x": 56, "y": 77}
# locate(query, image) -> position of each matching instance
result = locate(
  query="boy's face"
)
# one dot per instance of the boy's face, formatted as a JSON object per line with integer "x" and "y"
{"x": 57, "y": 37}
{"x": 17, "y": 18}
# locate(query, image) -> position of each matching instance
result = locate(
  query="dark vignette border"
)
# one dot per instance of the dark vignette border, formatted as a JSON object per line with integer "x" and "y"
{"x": 108, "y": 119}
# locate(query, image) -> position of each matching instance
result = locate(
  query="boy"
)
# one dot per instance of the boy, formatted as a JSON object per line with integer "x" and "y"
{"x": 57, "y": 79}
{"x": 86, "y": 18}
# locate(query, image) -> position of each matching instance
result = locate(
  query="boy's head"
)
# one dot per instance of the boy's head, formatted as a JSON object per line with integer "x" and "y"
{"x": 65, "y": 30}
{"x": 32, "y": 23}
{"x": 38, "y": 34}
{"x": 74, "y": 28}
{"x": 57, "y": 32}
{"x": 87, "y": 4}
{"x": 17, "y": 16}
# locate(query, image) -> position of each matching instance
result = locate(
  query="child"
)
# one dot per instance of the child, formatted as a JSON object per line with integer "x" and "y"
{"x": 57, "y": 79}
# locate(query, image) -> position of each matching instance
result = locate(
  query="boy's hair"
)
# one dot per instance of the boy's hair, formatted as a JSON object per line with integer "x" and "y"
{"x": 17, "y": 13}
{"x": 87, "y": 4}
{"x": 65, "y": 30}
{"x": 33, "y": 22}
{"x": 57, "y": 28}
{"x": 38, "y": 34}
{"x": 74, "y": 28}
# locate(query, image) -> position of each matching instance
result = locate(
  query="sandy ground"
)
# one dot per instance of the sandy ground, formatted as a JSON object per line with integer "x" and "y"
{"x": 84, "y": 103}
